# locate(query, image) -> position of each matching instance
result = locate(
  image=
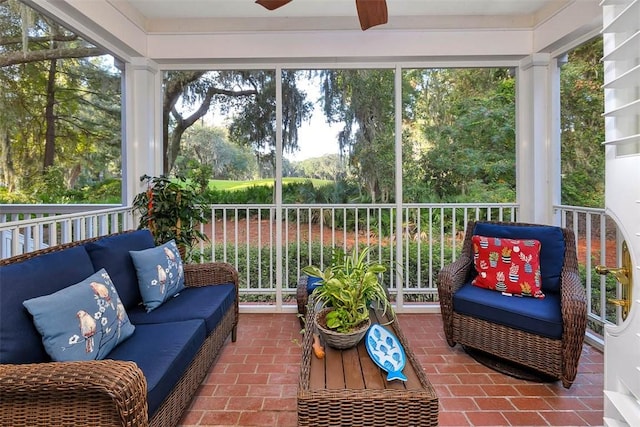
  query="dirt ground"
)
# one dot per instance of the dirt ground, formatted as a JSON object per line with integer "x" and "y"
{"x": 254, "y": 231}
{"x": 260, "y": 230}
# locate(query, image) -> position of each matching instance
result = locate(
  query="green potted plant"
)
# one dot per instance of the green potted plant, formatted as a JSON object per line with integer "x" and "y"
{"x": 172, "y": 208}
{"x": 349, "y": 286}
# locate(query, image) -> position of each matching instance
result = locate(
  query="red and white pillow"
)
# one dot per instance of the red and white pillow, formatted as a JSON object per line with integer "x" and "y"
{"x": 507, "y": 265}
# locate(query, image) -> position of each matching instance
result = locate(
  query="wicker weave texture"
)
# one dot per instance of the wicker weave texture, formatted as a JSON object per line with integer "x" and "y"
{"x": 302, "y": 298}
{"x": 108, "y": 392}
{"x": 556, "y": 358}
{"x": 104, "y": 392}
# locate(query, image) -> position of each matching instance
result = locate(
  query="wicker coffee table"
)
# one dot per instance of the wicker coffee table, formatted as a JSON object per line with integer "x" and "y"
{"x": 346, "y": 388}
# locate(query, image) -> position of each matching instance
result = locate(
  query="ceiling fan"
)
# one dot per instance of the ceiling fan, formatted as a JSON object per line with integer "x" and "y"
{"x": 370, "y": 12}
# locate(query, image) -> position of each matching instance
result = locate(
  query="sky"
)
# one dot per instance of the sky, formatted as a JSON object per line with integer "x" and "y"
{"x": 315, "y": 138}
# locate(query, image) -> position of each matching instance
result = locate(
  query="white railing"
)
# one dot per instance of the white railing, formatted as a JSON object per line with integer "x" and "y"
{"x": 598, "y": 242}
{"x": 45, "y": 230}
{"x": 270, "y": 247}
{"x": 17, "y": 212}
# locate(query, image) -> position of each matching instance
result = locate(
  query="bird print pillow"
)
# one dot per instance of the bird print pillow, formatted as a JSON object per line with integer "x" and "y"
{"x": 84, "y": 321}
{"x": 160, "y": 273}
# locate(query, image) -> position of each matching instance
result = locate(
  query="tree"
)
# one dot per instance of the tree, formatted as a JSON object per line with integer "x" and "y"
{"x": 582, "y": 125}
{"x": 330, "y": 167}
{"x": 210, "y": 148}
{"x": 23, "y": 28}
{"x": 247, "y": 96}
{"x": 196, "y": 90}
{"x": 255, "y": 125}
{"x": 468, "y": 116}
{"x": 58, "y": 105}
{"x": 362, "y": 100}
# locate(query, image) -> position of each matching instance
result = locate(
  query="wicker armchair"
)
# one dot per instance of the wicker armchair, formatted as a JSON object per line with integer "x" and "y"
{"x": 557, "y": 358}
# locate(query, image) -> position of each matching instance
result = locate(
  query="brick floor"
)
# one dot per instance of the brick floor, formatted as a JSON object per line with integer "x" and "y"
{"x": 254, "y": 381}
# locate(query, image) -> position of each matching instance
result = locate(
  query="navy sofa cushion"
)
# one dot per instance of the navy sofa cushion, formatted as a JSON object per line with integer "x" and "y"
{"x": 112, "y": 254}
{"x": 209, "y": 303}
{"x": 163, "y": 352}
{"x": 537, "y": 316}
{"x": 20, "y": 341}
{"x": 313, "y": 283}
{"x": 552, "y": 247}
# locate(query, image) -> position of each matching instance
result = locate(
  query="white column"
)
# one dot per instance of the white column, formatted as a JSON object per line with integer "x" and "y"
{"x": 555, "y": 138}
{"x": 399, "y": 279}
{"x": 142, "y": 125}
{"x": 278, "y": 190}
{"x": 538, "y": 138}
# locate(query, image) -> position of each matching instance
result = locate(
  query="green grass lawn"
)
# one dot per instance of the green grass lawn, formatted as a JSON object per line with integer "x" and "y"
{"x": 221, "y": 184}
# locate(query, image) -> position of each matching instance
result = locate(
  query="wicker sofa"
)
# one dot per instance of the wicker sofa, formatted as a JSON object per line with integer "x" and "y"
{"x": 545, "y": 335}
{"x": 147, "y": 379}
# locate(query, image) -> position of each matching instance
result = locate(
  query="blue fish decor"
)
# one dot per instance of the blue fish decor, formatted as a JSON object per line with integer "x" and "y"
{"x": 386, "y": 352}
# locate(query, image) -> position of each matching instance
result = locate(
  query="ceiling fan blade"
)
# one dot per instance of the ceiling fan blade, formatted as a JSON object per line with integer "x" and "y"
{"x": 372, "y": 13}
{"x": 272, "y": 4}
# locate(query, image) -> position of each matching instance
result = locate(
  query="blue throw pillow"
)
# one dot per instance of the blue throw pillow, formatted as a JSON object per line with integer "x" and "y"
{"x": 84, "y": 321}
{"x": 160, "y": 273}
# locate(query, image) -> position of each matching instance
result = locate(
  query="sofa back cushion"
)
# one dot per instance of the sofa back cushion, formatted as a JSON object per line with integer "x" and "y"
{"x": 552, "y": 247}
{"x": 112, "y": 254}
{"x": 20, "y": 342}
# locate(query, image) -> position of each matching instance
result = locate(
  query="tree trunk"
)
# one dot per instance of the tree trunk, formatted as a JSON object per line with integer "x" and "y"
{"x": 73, "y": 176}
{"x": 174, "y": 89}
{"x": 49, "y": 115}
{"x": 173, "y": 148}
{"x": 6, "y": 160}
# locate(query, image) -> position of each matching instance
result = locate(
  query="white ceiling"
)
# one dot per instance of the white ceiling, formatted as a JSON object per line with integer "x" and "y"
{"x": 308, "y": 31}
{"x": 242, "y": 15}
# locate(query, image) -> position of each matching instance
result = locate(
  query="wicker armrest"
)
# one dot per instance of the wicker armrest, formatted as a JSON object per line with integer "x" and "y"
{"x": 210, "y": 273}
{"x": 104, "y": 392}
{"x": 454, "y": 275}
{"x": 574, "y": 324}
{"x": 302, "y": 296}
{"x": 573, "y": 292}
{"x": 450, "y": 279}
{"x": 574, "y": 309}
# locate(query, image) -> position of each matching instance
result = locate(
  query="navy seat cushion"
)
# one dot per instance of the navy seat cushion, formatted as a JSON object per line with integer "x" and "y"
{"x": 552, "y": 247}
{"x": 163, "y": 352}
{"x": 112, "y": 254}
{"x": 537, "y": 316}
{"x": 209, "y": 303}
{"x": 313, "y": 283}
{"x": 20, "y": 341}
